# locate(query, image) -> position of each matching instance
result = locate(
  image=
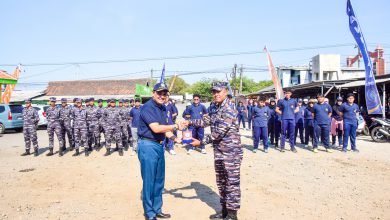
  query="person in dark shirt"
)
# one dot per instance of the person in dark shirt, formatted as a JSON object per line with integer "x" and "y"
{"x": 241, "y": 114}
{"x": 337, "y": 123}
{"x": 271, "y": 121}
{"x": 299, "y": 125}
{"x": 260, "y": 115}
{"x": 309, "y": 125}
{"x": 249, "y": 110}
{"x": 321, "y": 115}
{"x": 349, "y": 111}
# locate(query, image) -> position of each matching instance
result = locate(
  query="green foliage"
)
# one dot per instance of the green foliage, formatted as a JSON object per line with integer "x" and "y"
{"x": 203, "y": 88}
{"x": 179, "y": 85}
{"x": 249, "y": 85}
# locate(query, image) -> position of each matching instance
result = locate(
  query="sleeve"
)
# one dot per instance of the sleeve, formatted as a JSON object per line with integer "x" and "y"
{"x": 36, "y": 116}
{"x": 341, "y": 109}
{"x": 204, "y": 109}
{"x": 131, "y": 113}
{"x": 229, "y": 118}
{"x": 280, "y": 104}
{"x": 147, "y": 115}
{"x": 201, "y": 123}
{"x": 175, "y": 110}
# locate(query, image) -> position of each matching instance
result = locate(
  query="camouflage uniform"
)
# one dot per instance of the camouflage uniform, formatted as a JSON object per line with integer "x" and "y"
{"x": 111, "y": 117}
{"x": 54, "y": 126}
{"x": 228, "y": 153}
{"x": 93, "y": 125}
{"x": 124, "y": 123}
{"x": 79, "y": 116}
{"x": 66, "y": 125}
{"x": 100, "y": 111}
{"x": 30, "y": 122}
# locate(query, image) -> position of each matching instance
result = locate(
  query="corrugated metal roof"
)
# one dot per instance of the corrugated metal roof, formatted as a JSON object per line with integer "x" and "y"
{"x": 360, "y": 83}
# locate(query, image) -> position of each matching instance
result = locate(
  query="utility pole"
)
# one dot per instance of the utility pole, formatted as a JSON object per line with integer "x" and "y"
{"x": 234, "y": 72}
{"x": 241, "y": 73}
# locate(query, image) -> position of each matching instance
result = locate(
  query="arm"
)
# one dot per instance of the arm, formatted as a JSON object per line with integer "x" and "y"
{"x": 201, "y": 123}
{"x": 277, "y": 110}
{"x": 223, "y": 128}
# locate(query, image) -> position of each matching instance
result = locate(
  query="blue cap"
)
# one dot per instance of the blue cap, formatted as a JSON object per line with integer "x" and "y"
{"x": 112, "y": 100}
{"x": 86, "y": 100}
{"x": 125, "y": 100}
{"x": 77, "y": 100}
{"x": 219, "y": 85}
{"x": 27, "y": 100}
{"x": 52, "y": 99}
{"x": 299, "y": 100}
{"x": 121, "y": 100}
{"x": 64, "y": 100}
{"x": 100, "y": 100}
{"x": 160, "y": 87}
{"x": 91, "y": 99}
{"x": 339, "y": 98}
{"x": 131, "y": 100}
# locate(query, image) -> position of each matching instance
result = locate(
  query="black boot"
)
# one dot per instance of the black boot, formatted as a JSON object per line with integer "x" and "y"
{"x": 76, "y": 153}
{"x": 220, "y": 215}
{"x": 108, "y": 152}
{"x": 86, "y": 152}
{"x": 90, "y": 148}
{"x": 232, "y": 215}
{"x": 26, "y": 153}
{"x": 120, "y": 151}
{"x": 36, "y": 153}
{"x": 61, "y": 152}
{"x": 50, "y": 152}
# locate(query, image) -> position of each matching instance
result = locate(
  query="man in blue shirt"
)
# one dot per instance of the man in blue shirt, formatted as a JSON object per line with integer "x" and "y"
{"x": 153, "y": 128}
{"x": 249, "y": 110}
{"x": 134, "y": 118}
{"x": 337, "y": 123}
{"x": 260, "y": 115}
{"x": 241, "y": 114}
{"x": 287, "y": 108}
{"x": 196, "y": 111}
{"x": 309, "y": 125}
{"x": 170, "y": 114}
{"x": 348, "y": 111}
{"x": 299, "y": 122}
{"x": 321, "y": 115}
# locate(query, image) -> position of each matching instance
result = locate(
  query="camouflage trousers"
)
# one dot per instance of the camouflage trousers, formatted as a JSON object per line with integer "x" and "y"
{"x": 125, "y": 133}
{"x": 54, "y": 128}
{"x": 80, "y": 136}
{"x": 228, "y": 182}
{"x": 113, "y": 133}
{"x": 30, "y": 135}
{"x": 93, "y": 134}
{"x": 67, "y": 130}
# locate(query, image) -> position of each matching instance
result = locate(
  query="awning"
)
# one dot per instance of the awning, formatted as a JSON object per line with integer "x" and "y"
{"x": 360, "y": 83}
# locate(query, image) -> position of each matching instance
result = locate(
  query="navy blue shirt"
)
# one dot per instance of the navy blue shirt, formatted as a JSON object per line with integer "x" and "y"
{"x": 135, "y": 114}
{"x": 249, "y": 108}
{"x": 321, "y": 112}
{"x": 241, "y": 110}
{"x": 299, "y": 115}
{"x": 335, "y": 112}
{"x": 170, "y": 110}
{"x": 151, "y": 112}
{"x": 196, "y": 111}
{"x": 349, "y": 112}
{"x": 260, "y": 116}
{"x": 287, "y": 107}
{"x": 272, "y": 112}
{"x": 308, "y": 116}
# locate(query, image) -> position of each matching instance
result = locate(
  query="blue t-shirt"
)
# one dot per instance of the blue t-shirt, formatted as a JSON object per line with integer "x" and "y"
{"x": 241, "y": 110}
{"x": 321, "y": 113}
{"x": 308, "y": 116}
{"x": 151, "y": 112}
{"x": 349, "y": 112}
{"x": 196, "y": 111}
{"x": 249, "y": 108}
{"x": 260, "y": 116}
{"x": 135, "y": 114}
{"x": 287, "y": 107}
{"x": 299, "y": 115}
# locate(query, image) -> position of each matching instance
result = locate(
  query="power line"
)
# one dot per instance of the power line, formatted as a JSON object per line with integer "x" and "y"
{"x": 185, "y": 56}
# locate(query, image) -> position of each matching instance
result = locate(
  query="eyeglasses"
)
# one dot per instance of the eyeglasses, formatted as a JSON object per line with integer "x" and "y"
{"x": 162, "y": 93}
{"x": 196, "y": 99}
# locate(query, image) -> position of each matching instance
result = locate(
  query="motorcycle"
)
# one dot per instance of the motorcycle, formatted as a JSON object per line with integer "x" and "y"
{"x": 380, "y": 129}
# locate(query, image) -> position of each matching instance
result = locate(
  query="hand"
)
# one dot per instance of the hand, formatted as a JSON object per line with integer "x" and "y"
{"x": 206, "y": 119}
{"x": 177, "y": 140}
{"x": 195, "y": 142}
{"x": 182, "y": 125}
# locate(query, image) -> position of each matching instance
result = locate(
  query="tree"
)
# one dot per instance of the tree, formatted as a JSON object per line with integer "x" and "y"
{"x": 202, "y": 88}
{"x": 249, "y": 85}
{"x": 179, "y": 85}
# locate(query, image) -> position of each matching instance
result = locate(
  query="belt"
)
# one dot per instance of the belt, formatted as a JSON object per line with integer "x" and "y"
{"x": 148, "y": 139}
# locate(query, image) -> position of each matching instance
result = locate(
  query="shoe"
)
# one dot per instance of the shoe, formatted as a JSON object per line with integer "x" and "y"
{"x": 90, "y": 148}
{"x": 61, "y": 152}
{"x": 50, "y": 153}
{"x": 282, "y": 150}
{"x": 203, "y": 151}
{"x": 171, "y": 152}
{"x": 232, "y": 215}
{"x": 344, "y": 150}
{"x": 163, "y": 215}
{"x": 86, "y": 152}
{"x": 254, "y": 150}
{"x": 120, "y": 152}
{"x": 36, "y": 152}
{"x": 315, "y": 150}
{"x": 189, "y": 151}
{"x": 26, "y": 153}
{"x": 153, "y": 218}
{"x": 266, "y": 150}
{"x": 108, "y": 152}
{"x": 333, "y": 146}
{"x": 306, "y": 146}
{"x": 71, "y": 148}
{"x": 294, "y": 150}
{"x": 355, "y": 151}
{"x": 219, "y": 215}
{"x": 329, "y": 150}
{"x": 77, "y": 153}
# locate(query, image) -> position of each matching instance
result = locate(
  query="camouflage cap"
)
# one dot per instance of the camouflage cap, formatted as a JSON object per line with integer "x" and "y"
{"x": 219, "y": 85}
{"x": 77, "y": 100}
{"x": 100, "y": 100}
{"x": 160, "y": 87}
{"x": 64, "y": 100}
{"x": 52, "y": 99}
{"x": 121, "y": 100}
{"x": 91, "y": 99}
{"x": 27, "y": 100}
{"x": 112, "y": 100}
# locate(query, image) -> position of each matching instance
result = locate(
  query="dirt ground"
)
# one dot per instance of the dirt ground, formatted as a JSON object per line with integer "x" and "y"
{"x": 274, "y": 186}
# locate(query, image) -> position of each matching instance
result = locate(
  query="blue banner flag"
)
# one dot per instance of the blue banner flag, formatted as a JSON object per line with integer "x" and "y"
{"x": 372, "y": 96}
{"x": 162, "y": 78}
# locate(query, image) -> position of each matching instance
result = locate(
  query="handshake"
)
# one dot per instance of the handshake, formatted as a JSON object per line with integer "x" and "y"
{"x": 182, "y": 125}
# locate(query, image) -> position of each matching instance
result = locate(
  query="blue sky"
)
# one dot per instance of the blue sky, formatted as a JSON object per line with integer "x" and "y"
{"x": 78, "y": 31}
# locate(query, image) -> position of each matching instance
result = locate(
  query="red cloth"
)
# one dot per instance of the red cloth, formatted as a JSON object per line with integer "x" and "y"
{"x": 336, "y": 124}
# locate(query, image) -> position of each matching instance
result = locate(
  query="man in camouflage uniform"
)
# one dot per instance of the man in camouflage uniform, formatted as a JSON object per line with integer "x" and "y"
{"x": 100, "y": 110}
{"x": 112, "y": 117}
{"x": 54, "y": 126}
{"x": 128, "y": 122}
{"x": 30, "y": 123}
{"x": 93, "y": 124}
{"x": 228, "y": 153}
{"x": 66, "y": 124}
{"x": 124, "y": 117}
{"x": 79, "y": 117}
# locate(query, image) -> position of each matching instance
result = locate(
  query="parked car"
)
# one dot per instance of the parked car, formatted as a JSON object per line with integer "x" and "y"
{"x": 11, "y": 117}
{"x": 42, "y": 114}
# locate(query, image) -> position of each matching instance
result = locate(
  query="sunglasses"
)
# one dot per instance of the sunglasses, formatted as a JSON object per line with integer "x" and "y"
{"x": 162, "y": 93}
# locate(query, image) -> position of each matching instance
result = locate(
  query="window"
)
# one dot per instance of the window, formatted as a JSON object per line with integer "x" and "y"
{"x": 2, "y": 109}
{"x": 16, "y": 108}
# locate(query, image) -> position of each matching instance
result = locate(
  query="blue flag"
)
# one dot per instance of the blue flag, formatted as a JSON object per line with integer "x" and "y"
{"x": 162, "y": 78}
{"x": 372, "y": 96}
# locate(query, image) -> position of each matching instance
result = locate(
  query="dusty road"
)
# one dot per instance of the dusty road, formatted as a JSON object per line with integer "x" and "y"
{"x": 274, "y": 186}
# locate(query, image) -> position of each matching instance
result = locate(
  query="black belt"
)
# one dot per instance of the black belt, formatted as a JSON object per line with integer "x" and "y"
{"x": 148, "y": 139}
